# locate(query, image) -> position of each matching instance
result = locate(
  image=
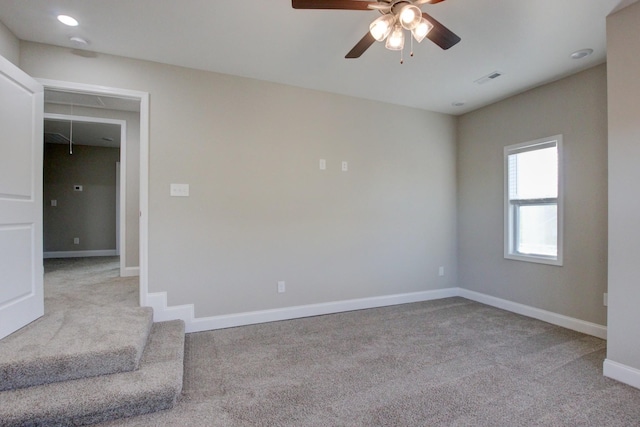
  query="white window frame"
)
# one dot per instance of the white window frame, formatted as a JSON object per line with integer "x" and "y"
{"x": 510, "y": 231}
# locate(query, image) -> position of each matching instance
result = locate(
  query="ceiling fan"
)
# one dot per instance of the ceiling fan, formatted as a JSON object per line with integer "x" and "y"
{"x": 397, "y": 15}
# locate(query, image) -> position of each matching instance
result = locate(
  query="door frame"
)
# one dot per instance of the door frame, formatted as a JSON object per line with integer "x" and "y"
{"x": 143, "y": 98}
{"x": 122, "y": 179}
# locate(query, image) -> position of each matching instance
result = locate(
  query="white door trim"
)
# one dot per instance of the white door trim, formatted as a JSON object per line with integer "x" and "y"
{"x": 143, "y": 97}
{"x": 120, "y": 209}
{"x": 122, "y": 179}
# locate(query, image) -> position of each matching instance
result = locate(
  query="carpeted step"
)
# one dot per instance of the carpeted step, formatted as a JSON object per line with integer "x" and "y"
{"x": 154, "y": 386}
{"x": 66, "y": 345}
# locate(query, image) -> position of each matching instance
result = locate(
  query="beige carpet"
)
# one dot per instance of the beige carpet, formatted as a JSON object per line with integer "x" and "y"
{"x": 91, "y": 327}
{"x": 93, "y": 356}
{"x": 84, "y": 282}
{"x": 450, "y": 362}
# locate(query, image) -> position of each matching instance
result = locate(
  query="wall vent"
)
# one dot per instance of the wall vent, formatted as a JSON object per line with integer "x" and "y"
{"x": 489, "y": 77}
{"x": 55, "y": 138}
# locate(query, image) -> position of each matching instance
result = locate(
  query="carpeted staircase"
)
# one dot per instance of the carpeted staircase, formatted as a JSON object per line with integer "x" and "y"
{"x": 83, "y": 366}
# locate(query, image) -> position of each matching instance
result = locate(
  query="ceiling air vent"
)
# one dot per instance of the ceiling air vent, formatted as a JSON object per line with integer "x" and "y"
{"x": 489, "y": 77}
{"x": 55, "y": 138}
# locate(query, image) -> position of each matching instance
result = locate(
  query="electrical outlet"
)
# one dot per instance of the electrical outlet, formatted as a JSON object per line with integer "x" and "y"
{"x": 54, "y": 203}
{"x": 76, "y": 240}
{"x": 345, "y": 166}
{"x": 323, "y": 164}
{"x": 281, "y": 287}
{"x": 77, "y": 187}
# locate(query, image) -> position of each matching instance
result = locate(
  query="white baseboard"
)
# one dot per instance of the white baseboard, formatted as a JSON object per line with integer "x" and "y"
{"x": 162, "y": 312}
{"x": 79, "y": 254}
{"x": 585, "y": 327}
{"x": 623, "y": 373}
{"x": 129, "y": 271}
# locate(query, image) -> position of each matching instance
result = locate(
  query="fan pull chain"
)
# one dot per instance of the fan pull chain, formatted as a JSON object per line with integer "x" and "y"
{"x": 402, "y": 56}
{"x": 411, "y": 38}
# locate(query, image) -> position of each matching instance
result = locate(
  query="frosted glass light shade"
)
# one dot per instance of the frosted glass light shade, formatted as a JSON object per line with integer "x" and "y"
{"x": 381, "y": 27}
{"x": 395, "y": 41}
{"x": 410, "y": 16}
{"x": 421, "y": 30}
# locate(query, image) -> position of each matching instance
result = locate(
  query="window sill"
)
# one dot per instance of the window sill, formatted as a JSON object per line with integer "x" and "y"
{"x": 535, "y": 259}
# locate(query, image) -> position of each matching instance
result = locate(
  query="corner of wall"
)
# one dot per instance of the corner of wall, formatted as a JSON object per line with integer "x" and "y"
{"x": 9, "y": 45}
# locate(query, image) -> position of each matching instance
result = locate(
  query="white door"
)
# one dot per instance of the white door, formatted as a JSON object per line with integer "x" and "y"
{"x": 21, "y": 147}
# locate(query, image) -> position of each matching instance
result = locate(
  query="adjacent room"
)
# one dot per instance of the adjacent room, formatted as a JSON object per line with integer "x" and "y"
{"x": 337, "y": 212}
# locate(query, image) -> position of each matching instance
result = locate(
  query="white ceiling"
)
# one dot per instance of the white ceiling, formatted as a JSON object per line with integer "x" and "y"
{"x": 528, "y": 40}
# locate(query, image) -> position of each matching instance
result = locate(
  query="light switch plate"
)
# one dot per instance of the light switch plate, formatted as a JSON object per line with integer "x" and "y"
{"x": 323, "y": 164}
{"x": 179, "y": 190}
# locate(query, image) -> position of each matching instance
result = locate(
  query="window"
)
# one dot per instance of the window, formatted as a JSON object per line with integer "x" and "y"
{"x": 533, "y": 201}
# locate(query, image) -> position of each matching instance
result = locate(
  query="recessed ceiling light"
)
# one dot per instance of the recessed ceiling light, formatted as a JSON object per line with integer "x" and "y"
{"x": 68, "y": 20}
{"x": 78, "y": 41}
{"x": 579, "y": 54}
{"x": 458, "y": 103}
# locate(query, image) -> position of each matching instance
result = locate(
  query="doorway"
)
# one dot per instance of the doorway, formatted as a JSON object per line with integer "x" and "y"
{"x": 84, "y": 211}
{"x": 102, "y": 121}
{"x": 137, "y": 103}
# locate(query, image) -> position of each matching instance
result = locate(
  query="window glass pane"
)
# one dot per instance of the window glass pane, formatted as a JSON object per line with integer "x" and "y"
{"x": 534, "y": 174}
{"x": 537, "y": 230}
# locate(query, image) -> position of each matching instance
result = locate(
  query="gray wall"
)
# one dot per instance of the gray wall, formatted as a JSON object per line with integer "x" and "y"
{"x": 623, "y": 44}
{"x": 9, "y": 45}
{"x": 577, "y": 108}
{"x": 260, "y": 210}
{"x": 89, "y": 214}
{"x": 132, "y": 205}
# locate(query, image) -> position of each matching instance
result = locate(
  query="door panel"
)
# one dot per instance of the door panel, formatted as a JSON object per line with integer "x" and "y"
{"x": 15, "y": 178}
{"x": 21, "y": 147}
{"x": 16, "y": 245}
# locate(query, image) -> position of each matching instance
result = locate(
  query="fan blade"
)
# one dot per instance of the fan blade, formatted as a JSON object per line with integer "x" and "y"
{"x": 419, "y": 2}
{"x": 379, "y": 6}
{"x": 361, "y": 46}
{"x": 440, "y": 34}
{"x": 330, "y": 4}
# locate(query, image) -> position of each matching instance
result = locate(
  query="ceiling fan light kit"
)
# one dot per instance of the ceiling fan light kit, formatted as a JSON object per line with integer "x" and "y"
{"x": 389, "y": 26}
{"x": 409, "y": 16}
{"x": 381, "y": 27}
{"x": 395, "y": 41}
{"x": 396, "y": 16}
{"x": 421, "y": 31}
